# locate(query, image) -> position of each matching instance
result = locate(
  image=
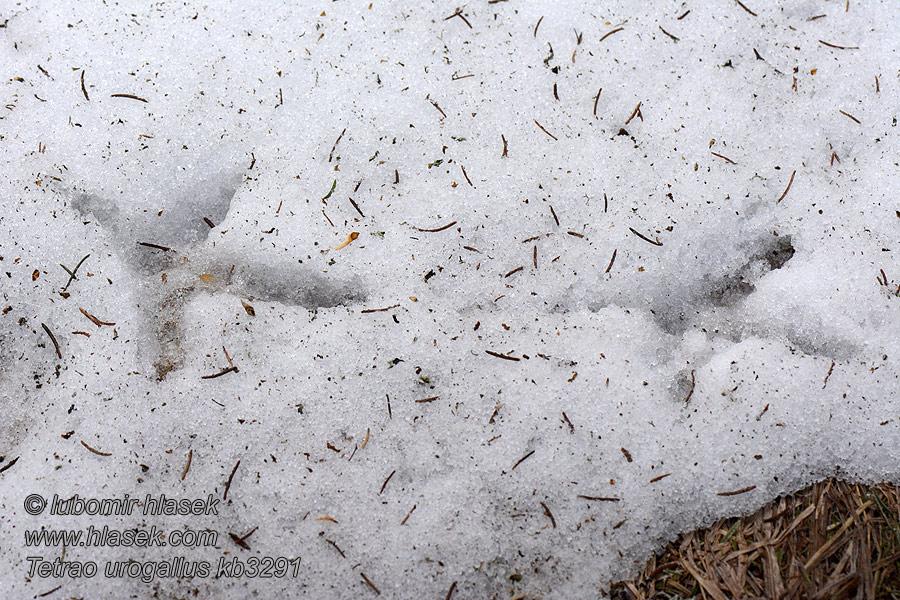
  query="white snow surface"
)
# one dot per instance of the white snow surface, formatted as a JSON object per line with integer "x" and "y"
{"x": 745, "y": 341}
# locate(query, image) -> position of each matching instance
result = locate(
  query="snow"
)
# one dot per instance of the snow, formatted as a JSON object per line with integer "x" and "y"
{"x": 691, "y": 314}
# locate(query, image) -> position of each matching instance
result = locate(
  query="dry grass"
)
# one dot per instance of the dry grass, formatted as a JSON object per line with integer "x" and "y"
{"x": 831, "y": 540}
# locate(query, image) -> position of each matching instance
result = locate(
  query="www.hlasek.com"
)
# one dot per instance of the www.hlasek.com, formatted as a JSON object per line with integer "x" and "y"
{"x": 146, "y": 571}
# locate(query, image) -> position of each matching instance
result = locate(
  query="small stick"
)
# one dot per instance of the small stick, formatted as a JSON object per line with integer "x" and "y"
{"x": 850, "y": 116}
{"x": 447, "y": 226}
{"x": 465, "y": 175}
{"x": 668, "y": 34}
{"x": 691, "y": 391}
{"x": 655, "y": 479}
{"x": 188, "y": 465}
{"x": 684, "y": 15}
{"x": 156, "y": 246}
{"x": 95, "y": 451}
{"x": 372, "y": 310}
{"x": 521, "y": 460}
{"x": 84, "y": 333}
{"x": 498, "y": 355}
{"x": 545, "y": 131}
{"x": 53, "y": 339}
{"x": 736, "y": 492}
{"x": 534, "y": 257}
{"x": 514, "y": 271}
{"x": 605, "y": 202}
{"x": 599, "y": 498}
{"x": 252, "y": 161}
{"x": 787, "y": 188}
{"x": 549, "y": 514}
{"x": 325, "y": 215}
{"x": 396, "y": 177}
{"x": 390, "y": 416}
{"x": 611, "y": 261}
{"x": 634, "y": 113}
{"x": 131, "y": 96}
{"x": 83, "y": 88}
{"x": 538, "y": 25}
{"x": 366, "y": 579}
{"x": 230, "y": 478}
{"x": 596, "y": 100}
{"x": 877, "y": 87}
{"x": 504, "y": 146}
{"x": 94, "y": 319}
{"x": 741, "y": 4}
{"x": 610, "y": 33}
{"x": 431, "y": 399}
{"x": 231, "y": 369}
{"x": 575, "y": 234}
{"x": 724, "y": 157}
{"x": 384, "y": 485}
{"x": 645, "y": 238}
{"x": 555, "y": 218}
{"x": 228, "y": 358}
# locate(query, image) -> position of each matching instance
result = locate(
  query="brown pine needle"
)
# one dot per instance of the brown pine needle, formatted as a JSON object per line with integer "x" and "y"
{"x": 466, "y": 175}
{"x": 130, "y": 96}
{"x": 187, "y": 467}
{"x": 736, "y": 492}
{"x": 787, "y": 188}
{"x": 824, "y": 43}
{"x": 363, "y": 575}
{"x": 374, "y": 310}
{"x": 53, "y": 339}
{"x": 83, "y": 88}
{"x": 610, "y": 33}
{"x": 846, "y": 114}
{"x": 634, "y": 113}
{"x": 503, "y": 356}
{"x": 384, "y": 485}
{"x": 741, "y": 4}
{"x": 94, "y": 319}
{"x": 545, "y": 131}
{"x": 611, "y": 261}
{"x": 668, "y": 34}
{"x": 231, "y": 369}
{"x": 600, "y": 498}
{"x": 723, "y": 157}
{"x": 538, "y": 25}
{"x": 230, "y": 478}
{"x": 596, "y": 100}
{"x": 447, "y": 226}
{"x": 645, "y": 238}
{"x": 94, "y": 450}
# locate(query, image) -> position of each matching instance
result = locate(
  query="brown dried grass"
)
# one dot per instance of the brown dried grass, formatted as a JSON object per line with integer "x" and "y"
{"x": 831, "y": 540}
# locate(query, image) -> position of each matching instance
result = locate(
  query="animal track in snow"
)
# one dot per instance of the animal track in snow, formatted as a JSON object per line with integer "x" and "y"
{"x": 169, "y": 248}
